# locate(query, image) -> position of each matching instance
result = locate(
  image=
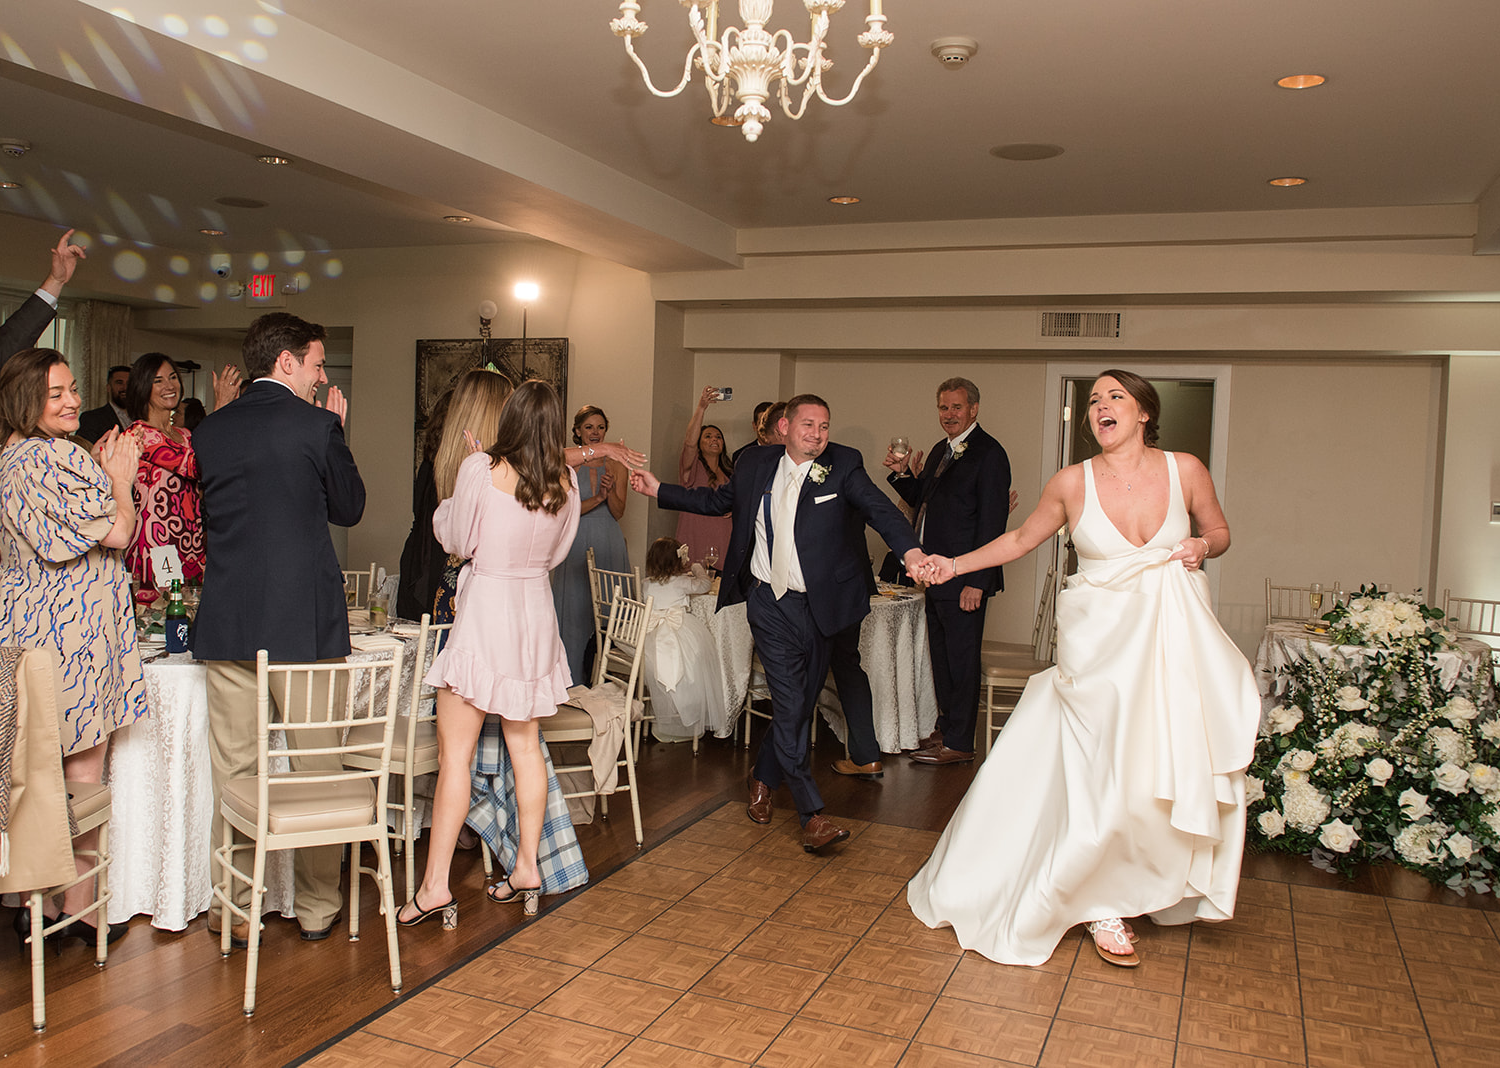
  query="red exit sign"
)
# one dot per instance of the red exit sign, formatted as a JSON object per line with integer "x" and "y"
{"x": 262, "y": 286}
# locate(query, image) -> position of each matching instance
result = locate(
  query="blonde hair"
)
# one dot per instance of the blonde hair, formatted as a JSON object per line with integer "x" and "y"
{"x": 478, "y": 398}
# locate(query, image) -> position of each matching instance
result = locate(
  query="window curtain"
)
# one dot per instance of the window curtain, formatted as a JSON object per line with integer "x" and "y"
{"x": 98, "y": 338}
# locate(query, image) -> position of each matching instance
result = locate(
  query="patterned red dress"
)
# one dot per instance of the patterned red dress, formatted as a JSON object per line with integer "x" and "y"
{"x": 168, "y": 503}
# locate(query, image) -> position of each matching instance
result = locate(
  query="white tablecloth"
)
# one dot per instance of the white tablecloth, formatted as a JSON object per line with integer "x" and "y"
{"x": 893, "y": 651}
{"x": 162, "y": 783}
{"x": 1288, "y": 640}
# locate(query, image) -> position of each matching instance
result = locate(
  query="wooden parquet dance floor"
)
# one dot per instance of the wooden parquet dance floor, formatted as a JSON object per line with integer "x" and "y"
{"x": 728, "y": 945}
{"x": 723, "y": 943}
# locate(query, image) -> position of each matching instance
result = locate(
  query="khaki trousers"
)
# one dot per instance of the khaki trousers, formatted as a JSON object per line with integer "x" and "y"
{"x": 232, "y": 747}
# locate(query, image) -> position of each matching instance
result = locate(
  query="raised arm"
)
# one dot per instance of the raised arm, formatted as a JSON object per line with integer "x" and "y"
{"x": 710, "y": 395}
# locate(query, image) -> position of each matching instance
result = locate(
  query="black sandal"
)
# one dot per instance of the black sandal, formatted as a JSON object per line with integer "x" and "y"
{"x": 448, "y": 910}
{"x": 528, "y": 896}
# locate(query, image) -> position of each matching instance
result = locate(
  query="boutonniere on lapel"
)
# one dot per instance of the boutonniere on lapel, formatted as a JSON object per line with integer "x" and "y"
{"x": 959, "y": 448}
{"x": 818, "y": 473}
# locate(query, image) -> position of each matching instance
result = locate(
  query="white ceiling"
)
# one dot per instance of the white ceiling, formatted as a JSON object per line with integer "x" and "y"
{"x": 528, "y": 116}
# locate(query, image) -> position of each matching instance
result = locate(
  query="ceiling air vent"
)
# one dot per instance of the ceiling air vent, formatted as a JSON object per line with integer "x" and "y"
{"x": 1089, "y": 324}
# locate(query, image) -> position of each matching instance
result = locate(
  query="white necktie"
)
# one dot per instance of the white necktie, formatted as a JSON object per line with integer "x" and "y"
{"x": 783, "y": 539}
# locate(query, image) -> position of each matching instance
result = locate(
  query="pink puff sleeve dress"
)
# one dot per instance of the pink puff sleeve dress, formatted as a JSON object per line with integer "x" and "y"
{"x": 504, "y": 655}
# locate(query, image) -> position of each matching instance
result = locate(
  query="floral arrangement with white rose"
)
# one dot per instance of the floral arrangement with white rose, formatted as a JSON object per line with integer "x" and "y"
{"x": 1369, "y": 756}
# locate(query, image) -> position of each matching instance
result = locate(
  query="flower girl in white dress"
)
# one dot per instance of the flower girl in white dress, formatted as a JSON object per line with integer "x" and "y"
{"x": 686, "y": 697}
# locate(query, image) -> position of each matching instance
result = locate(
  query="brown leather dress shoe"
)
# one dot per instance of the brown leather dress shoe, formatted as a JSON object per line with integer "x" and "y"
{"x": 871, "y": 771}
{"x": 759, "y": 808}
{"x": 239, "y": 933}
{"x": 932, "y": 741}
{"x": 821, "y": 831}
{"x": 942, "y": 755}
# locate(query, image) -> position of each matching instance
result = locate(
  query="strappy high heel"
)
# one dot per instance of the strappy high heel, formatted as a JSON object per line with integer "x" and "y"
{"x": 448, "y": 910}
{"x": 529, "y": 897}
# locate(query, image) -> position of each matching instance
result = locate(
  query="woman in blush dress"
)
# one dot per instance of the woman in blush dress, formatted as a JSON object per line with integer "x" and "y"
{"x": 64, "y": 514}
{"x": 1117, "y": 788}
{"x": 513, "y": 515}
{"x": 601, "y": 487}
{"x": 167, "y": 497}
{"x": 704, "y": 463}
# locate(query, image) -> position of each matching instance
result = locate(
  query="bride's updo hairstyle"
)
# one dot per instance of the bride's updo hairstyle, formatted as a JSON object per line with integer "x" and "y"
{"x": 1145, "y": 395}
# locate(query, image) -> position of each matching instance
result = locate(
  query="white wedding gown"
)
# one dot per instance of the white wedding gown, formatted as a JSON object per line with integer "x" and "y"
{"x": 1117, "y": 788}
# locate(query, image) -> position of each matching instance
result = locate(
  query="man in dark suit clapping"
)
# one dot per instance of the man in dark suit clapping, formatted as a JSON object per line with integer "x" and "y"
{"x": 799, "y": 590}
{"x": 275, "y": 471}
{"x": 962, "y": 498}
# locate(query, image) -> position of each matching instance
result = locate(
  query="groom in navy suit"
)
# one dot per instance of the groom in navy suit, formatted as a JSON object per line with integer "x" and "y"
{"x": 799, "y": 590}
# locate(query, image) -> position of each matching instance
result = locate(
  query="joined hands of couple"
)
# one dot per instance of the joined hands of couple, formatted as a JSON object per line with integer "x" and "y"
{"x": 604, "y": 450}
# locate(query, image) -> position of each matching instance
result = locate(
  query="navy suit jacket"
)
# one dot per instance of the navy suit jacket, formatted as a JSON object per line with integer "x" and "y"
{"x": 24, "y": 326}
{"x": 275, "y": 472}
{"x": 966, "y": 507}
{"x": 96, "y": 422}
{"x": 830, "y": 529}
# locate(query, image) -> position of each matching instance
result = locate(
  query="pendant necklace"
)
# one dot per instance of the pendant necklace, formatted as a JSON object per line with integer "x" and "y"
{"x": 1133, "y": 472}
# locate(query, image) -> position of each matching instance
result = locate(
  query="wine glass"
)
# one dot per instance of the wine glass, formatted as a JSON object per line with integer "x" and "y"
{"x": 711, "y": 558}
{"x": 900, "y": 448}
{"x": 1315, "y": 598}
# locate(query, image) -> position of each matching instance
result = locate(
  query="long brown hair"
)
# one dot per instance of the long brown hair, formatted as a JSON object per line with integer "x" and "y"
{"x": 478, "y": 399}
{"x": 23, "y": 392}
{"x": 530, "y": 440}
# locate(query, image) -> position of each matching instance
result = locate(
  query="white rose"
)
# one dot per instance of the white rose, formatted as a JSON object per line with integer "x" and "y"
{"x": 1301, "y": 760}
{"x": 1290, "y": 777}
{"x": 1490, "y": 729}
{"x": 1452, "y": 778}
{"x": 1283, "y": 719}
{"x": 1459, "y": 845}
{"x": 1338, "y": 836}
{"x": 1255, "y": 790}
{"x": 1403, "y": 611}
{"x": 1485, "y": 779}
{"x": 1492, "y": 818}
{"x": 1350, "y": 699}
{"x": 1459, "y": 711}
{"x": 1271, "y": 824}
{"x": 1413, "y": 805}
{"x": 1380, "y": 770}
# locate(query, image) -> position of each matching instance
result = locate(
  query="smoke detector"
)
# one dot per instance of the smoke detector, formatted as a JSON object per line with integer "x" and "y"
{"x": 13, "y": 146}
{"x": 954, "y": 52}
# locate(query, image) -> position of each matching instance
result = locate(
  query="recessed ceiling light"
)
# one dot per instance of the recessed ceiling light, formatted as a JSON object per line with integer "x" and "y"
{"x": 1301, "y": 81}
{"x": 275, "y": 161}
{"x": 211, "y": 232}
{"x": 1026, "y": 151}
{"x": 10, "y": 185}
{"x": 457, "y": 218}
{"x": 843, "y": 200}
{"x": 726, "y": 120}
{"x": 1287, "y": 181}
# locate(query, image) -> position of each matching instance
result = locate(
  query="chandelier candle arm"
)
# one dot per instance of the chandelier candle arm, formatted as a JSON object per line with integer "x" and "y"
{"x": 745, "y": 64}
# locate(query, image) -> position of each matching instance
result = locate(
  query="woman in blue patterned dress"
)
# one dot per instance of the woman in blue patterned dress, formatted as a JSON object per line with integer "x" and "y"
{"x": 64, "y": 517}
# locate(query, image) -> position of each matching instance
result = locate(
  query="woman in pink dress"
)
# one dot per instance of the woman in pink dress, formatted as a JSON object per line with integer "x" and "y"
{"x": 513, "y": 515}
{"x": 704, "y": 462}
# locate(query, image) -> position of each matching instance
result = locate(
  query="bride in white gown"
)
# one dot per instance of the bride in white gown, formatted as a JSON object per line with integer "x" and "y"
{"x": 1117, "y": 788}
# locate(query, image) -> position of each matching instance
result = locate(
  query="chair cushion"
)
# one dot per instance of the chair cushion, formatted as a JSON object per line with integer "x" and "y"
{"x": 300, "y": 807}
{"x": 90, "y": 802}
{"x": 1017, "y": 669}
{"x": 424, "y": 745}
{"x": 568, "y": 720}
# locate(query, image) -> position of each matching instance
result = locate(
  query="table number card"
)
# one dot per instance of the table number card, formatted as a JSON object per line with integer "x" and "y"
{"x": 166, "y": 565}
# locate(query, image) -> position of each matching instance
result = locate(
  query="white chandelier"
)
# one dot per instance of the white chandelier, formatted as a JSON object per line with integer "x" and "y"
{"x": 744, "y": 64}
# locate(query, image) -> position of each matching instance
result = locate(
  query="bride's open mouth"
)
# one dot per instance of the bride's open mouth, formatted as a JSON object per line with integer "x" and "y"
{"x": 1106, "y": 421}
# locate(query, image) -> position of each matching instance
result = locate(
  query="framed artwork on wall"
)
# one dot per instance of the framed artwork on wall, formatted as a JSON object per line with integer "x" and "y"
{"x": 441, "y": 362}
